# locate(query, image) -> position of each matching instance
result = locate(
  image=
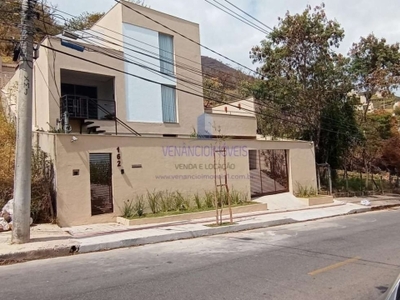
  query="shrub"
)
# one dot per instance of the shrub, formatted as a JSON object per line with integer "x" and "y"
{"x": 235, "y": 197}
{"x": 42, "y": 189}
{"x": 209, "y": 199}
{"x": 153, "y": 199}
{"x": 305, "y": 192}
{"x": 244, "y": 197}
{"x": 7, "y": 158}
{"x": 197, "y": 200}
{"x": 128, "y": 210}
{"x": 179, "y": 202}
{"x": 166, "y": 201}
{"x": 42, "y": 179}
{"x": 133, "y": 208}
{"x": 139, "y": 206}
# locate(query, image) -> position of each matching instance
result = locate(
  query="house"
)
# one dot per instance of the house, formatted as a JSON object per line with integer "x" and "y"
{"x": 123, "y": 115}
{"x": 6, "y": 73}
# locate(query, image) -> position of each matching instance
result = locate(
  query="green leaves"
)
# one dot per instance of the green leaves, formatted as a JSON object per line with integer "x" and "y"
{"x": 304, "y": 94}
{"x": 84, "y": 21}
{"x": 375, "y": 67}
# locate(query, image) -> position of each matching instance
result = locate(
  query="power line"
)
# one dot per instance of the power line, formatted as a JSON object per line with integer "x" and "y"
{"x": 189, "y": 39}
{"x": 184, "y": 36}
{"x": 230, "y": 12}
{"x": 182, "y": 90}
{"x": 217, "y": 91}
{"x": 263, "y": 105}
{"x": 249, "y": 15}
{"x": 177, "y": 33}
{"x": 144, "y": 43}
{"x": 182, "y": 66}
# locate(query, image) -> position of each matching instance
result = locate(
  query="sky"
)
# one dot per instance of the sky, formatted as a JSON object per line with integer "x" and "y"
{"x": 234, "y": 39}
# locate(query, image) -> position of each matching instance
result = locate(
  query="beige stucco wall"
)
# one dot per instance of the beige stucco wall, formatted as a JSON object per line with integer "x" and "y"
{"x": 45, "y": 95}
{"x": 66, "y": 62}
{"x": 46, "y": 143}
{"x": 189, "y": 106}
{"x": 158, "y": 158}
{"x": 110, "y": 25}
{"x": 302, "y": 168}
{"x": 238, "y": 108}
{"x": 233, "y": 125}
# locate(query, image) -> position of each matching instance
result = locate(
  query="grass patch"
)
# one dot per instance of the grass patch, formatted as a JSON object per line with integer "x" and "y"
{"x": 306, "y": 192}
{"x": 181, "y": 212}
{"x": 168, "y": 203}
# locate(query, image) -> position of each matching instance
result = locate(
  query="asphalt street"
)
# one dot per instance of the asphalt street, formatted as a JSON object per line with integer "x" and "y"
{"x": 351, "y": 257}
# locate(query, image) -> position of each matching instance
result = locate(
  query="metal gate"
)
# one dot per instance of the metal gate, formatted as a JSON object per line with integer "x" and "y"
{"x": 101, "y": 183}
{"x": 268, "y": 172}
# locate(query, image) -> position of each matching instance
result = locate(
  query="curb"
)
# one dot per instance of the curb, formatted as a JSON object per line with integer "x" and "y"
{"x": 135, "y": 242}
{"x": 19, "y": 257}
{"x": 359, "y": 210}
{"x": 381, "y": 207}
{"x": 180, "y": 236}
{"x": 78, "y": 248}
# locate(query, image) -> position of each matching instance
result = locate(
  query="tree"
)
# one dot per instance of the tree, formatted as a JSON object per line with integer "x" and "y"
{"x": 84, "y": 21}
{"x": 379, "y": 128}
{"x": 391, "y": 154}
{"x": 303, "y": 78}
{"x": 375, "y": 67}
{"x": 45, "y": 24}
{"x": 343, "y": 136}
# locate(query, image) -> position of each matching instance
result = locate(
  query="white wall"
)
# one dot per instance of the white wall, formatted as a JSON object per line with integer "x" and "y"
{"x": 247, "y": 108}
{"x": 143, "y": 99}
{"x": 9, "y": 97}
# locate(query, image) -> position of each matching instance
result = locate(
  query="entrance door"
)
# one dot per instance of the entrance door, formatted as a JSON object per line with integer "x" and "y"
{"x": 268, "y": 172}
{"x": 101, "y": 183}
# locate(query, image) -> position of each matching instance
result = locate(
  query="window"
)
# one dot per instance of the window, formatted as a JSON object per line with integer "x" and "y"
{"x": 166, "y": 53}
{"x": 252, "y": 159}
{"x": 168, "y": 97}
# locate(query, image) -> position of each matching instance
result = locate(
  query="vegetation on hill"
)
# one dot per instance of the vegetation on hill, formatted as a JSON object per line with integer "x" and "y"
{"x": 222, "y": 83}
{"x": 303, "y": 92}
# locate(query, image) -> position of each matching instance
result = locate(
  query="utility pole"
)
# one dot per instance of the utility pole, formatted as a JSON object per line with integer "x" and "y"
{"x": 22, "y": 175}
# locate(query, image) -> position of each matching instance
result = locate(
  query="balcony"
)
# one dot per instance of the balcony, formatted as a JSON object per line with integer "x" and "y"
{"x": 88, "y": 98}
{"x": 82, "y": 107}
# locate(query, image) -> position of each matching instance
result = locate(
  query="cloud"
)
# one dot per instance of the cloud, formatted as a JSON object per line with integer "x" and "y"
{"x": 234, "y": 39}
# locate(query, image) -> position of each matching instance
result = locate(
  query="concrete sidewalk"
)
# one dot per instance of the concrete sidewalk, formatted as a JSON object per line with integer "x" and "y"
{"x": 377, "y": 201}
{"x": 51, "y": 241}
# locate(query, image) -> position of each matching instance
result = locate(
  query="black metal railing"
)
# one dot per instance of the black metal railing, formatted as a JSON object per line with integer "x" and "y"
{"x": 81, "y": 107}
{"x": 85, "y": 108}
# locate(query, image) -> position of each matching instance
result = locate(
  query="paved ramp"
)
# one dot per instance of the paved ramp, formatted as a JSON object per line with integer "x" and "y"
{"x": 285, "y": 201}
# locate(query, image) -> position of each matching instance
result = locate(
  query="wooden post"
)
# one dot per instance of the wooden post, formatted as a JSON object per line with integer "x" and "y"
{"x": 216, "y": 191}
{"x": 330, "y": 180}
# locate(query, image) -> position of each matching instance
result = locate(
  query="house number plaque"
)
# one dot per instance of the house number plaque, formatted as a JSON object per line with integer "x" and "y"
{"x": 118, "y": 157}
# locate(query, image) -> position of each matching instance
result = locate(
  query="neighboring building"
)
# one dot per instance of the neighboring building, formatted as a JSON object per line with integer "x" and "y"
{"x": 128, "y": 136}
{"x": 363, "y": 105}
{"x": 6, "y": 73}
